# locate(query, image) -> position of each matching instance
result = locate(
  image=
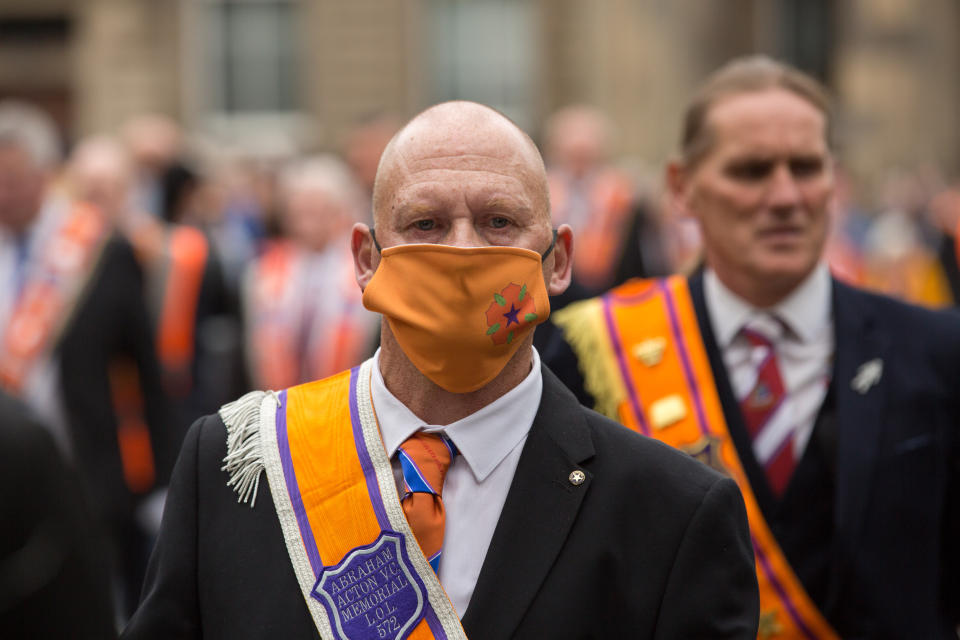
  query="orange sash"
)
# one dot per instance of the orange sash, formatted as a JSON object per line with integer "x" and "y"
{"x": 133, "y": 435}
{"x": 49, "y": 297}
{"x": 186, "y": 259}
{"x": 272, "y": 328}
{"x": 360, "y": 569}
{"x": 291, "y": 339}
{"x": 643, "y": 358}
{"x": 600, "y": 237}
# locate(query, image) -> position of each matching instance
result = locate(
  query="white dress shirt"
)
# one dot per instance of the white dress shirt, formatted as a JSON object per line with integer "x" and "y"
{"x": 804, "y": 347}
{"x": 489, "y": 442}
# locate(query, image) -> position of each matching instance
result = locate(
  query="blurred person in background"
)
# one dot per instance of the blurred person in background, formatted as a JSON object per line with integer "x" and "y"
{"x": 362, "y": 148}
{"x": 54, "y": 577}
{"x": 303, "y": 318}
{"x": 161, "y": 175}
{"x": 645, "y": 251}
{"x": 77, "y": 345}
{"x": 897, "y": 263}
{"x": 900, "y": 248}
{"x": 846, "y": 237}
{"x": 186, "y": 296}
{"x": 598, "y": 201}
{"x": 837, "y": 411}
{"x": 243, "y": 216}
{"x": 593, "y": 197}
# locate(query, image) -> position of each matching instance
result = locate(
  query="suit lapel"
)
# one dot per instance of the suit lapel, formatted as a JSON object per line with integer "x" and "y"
{"x": 860, "y": 345}
{"x": 540, "y": 508}
{"x": 858, "y": 415}
{"x": 728, "y": 400}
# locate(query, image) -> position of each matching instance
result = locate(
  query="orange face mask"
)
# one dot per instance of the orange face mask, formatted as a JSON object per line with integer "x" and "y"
{"x": 459, "y": 314}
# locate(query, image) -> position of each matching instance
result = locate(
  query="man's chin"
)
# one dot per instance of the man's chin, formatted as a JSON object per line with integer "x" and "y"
{"x": 785, "y": 272}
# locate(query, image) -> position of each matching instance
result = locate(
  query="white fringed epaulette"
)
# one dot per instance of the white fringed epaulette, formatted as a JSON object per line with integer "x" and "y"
{"x": 244, "y": 459}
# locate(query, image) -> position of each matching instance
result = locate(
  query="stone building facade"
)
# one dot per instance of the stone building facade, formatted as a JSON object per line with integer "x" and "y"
{"x": 300, "y": 72}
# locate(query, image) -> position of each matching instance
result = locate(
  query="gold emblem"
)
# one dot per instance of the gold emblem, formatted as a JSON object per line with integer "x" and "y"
{"x": 707, "y": 451}
{"x": 577, "y": 477}
{"x": 650, "y": 351}
{"x": 769, "y": 627}
{"x": 667, "y": 411}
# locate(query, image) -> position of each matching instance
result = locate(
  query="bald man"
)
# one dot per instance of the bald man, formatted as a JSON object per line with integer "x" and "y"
{"x": 450, "y": 486}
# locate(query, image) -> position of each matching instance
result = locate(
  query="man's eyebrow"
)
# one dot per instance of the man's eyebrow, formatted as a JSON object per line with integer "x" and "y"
{"x": 513, "y": 203}
{"x": 414, "y": 208}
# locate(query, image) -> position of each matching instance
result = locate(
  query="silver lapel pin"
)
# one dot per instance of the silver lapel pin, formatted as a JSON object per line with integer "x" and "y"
{"x": 867, "y": 375}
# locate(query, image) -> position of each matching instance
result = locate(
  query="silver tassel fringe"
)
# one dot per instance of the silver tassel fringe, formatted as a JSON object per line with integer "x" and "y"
{"x": 244, "y": 459}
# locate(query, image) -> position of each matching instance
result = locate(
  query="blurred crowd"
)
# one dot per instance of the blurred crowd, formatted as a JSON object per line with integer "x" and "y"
{"x": 148, "y": 276}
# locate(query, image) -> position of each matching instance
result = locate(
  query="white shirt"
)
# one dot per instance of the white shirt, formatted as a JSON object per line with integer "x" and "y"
{"x": 804, "y": 349}
{"x": 489, "y": 442}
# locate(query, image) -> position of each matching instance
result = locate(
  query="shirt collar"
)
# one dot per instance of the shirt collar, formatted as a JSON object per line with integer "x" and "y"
{"x": 484, "y": 437}
{"x": 806, "y": 311}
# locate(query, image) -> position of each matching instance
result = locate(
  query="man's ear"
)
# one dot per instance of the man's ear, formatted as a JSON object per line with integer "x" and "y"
{"x": 677, "y": 176}
{"x": 562, "y": 269}
{"x": 365, "y": 254}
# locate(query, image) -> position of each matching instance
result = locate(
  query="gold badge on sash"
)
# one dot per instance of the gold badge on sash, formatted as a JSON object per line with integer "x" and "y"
{"x": 667, "y": 411}
{"x": 650, "y": 351}
{"x": 769, "y": 626}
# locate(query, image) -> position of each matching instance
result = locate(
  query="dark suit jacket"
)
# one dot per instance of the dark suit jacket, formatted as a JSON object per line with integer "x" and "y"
{"x": 896, "y": 460}
{"x": 54, "y": 581}
{"x": 651, "y": 545}
{"x": 108, "y": 323}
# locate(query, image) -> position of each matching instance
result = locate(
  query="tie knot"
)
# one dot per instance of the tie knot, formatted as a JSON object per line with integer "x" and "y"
{"x": 425, "y": 459}
{"x": 763, "y": 330}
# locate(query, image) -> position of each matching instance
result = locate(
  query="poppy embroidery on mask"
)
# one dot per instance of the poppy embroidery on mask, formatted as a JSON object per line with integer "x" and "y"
{"x": 511, "y": 311}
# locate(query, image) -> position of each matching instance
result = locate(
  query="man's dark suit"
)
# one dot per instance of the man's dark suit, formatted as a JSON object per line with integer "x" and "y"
{"x": 54, "y": 581}
{"x": 109, "y": 323}
{"x": 650, "y": 545}
{"x": 871, "y": 520}
{"x": 108, "y": 326}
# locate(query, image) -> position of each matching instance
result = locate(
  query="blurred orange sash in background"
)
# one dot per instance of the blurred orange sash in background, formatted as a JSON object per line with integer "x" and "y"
{"x": 50, "y": 294}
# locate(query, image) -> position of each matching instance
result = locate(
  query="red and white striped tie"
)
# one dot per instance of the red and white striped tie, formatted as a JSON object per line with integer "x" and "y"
{"x": 767, "y": 414}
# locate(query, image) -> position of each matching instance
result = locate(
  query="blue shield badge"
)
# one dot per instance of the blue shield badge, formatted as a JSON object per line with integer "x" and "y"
{"x": 373, "y": 593}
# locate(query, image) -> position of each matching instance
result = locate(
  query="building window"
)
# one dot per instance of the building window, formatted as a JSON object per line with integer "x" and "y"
{"x": 252, "y": 56}
{"x": 486, "y": 51}
{"x": 807, "y": 27}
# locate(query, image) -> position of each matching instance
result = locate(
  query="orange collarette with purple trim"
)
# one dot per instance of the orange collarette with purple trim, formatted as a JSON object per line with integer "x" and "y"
{"x": 644, "y": 360}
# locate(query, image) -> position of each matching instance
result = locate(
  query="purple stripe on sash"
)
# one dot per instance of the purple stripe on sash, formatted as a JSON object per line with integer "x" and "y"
{"x": 621, "y": 361}
{"x": 684, "y": 357}
{"x": 293, "y": 489}
{"x": 791, "y": 609}
{"x": 373, "y": 487}
{"x": 434, "y": 622}
{"x": 369, "y": 473}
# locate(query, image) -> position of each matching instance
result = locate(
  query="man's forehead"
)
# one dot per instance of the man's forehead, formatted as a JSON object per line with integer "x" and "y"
{"x": 756, "y": 111}
{"x": 435, "y": 141}
{"x": 460, "y": 136}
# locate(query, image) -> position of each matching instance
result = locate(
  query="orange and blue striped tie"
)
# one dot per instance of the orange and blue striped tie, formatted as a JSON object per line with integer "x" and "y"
{"x": 425, "y": 458}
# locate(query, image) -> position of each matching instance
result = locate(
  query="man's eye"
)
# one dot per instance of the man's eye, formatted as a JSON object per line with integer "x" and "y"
{"x": 499, "y": 222}
{"x": 424, "y": 225}
{"x": 751, "y": 170}
{"x": 806, "y": 167}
